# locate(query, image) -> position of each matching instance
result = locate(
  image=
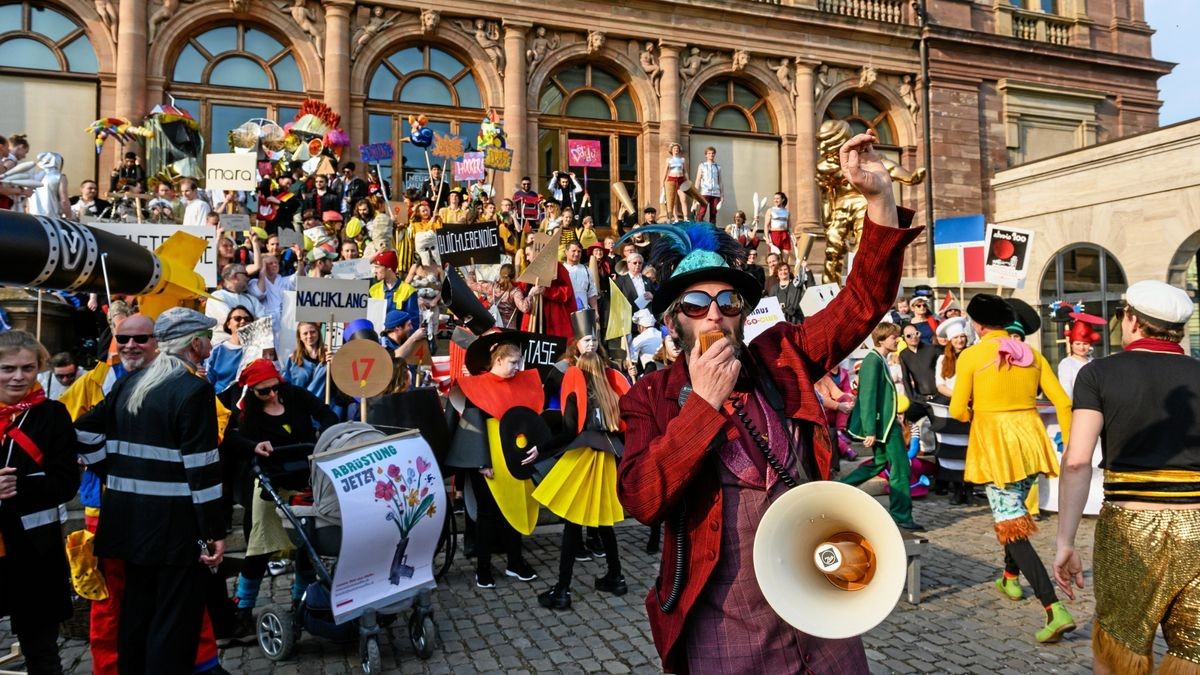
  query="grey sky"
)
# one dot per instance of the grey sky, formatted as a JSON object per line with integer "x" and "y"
{"x": 1177, "y": 39}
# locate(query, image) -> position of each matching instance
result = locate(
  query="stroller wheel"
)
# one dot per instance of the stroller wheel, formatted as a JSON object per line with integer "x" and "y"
{"x": 422, "y": 631}
{"x": 372, "y": 662}
{"x": 276, "y": 634}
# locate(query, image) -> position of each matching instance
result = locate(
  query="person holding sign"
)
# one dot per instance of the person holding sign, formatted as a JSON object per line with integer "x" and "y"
{"x": 500, "y": 497}
{"x": 308, "y": 363}
{"x": 565, "y": 191}
{"x": 274, "y": 413}
{"x": 221, "y": 368}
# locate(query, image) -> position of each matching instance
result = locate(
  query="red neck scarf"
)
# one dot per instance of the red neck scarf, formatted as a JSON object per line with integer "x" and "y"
{"x": 8, "y": 412}
{"x": 1155, "y": 345}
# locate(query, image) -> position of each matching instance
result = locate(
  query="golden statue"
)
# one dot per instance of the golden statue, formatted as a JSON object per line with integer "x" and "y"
{"x": 842, "y": 207}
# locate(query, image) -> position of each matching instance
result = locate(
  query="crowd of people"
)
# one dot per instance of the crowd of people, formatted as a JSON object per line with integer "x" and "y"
{"x": 670, "y": 416}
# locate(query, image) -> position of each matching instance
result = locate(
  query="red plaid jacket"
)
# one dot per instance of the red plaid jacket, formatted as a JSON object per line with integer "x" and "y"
{"x": 668, "y": 458}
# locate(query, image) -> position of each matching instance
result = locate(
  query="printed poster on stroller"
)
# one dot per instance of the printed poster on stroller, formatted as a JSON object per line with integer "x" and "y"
{"x": 393, "y": 504}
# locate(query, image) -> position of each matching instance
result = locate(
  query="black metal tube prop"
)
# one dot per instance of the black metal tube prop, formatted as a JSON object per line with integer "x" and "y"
{"x": 61, "y": 255}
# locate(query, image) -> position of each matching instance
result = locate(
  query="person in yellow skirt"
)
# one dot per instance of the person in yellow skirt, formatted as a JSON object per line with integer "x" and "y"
{"x": 995, "y": 389}
{"x": 581, "y": 486}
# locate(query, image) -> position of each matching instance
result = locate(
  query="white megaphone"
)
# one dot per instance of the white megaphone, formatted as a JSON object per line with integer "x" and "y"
{"x": 829, "y": 560}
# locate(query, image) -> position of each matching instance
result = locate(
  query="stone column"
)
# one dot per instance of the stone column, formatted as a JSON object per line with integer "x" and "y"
{"x": 516, "y": 119}
{"x": 808, "y": 203}
{"x": 668, "y": 105}
{"x": 337, "y": 58}
{"x": 131, "y": 61}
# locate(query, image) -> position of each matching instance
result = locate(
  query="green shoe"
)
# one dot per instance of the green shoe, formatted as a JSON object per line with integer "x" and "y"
{"x": 1058, "y": 623}
{"x": 1011, "y": 588}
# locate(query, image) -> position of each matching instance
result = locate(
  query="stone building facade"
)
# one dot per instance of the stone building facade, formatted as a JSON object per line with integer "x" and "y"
{"x": 1008, "y": 81}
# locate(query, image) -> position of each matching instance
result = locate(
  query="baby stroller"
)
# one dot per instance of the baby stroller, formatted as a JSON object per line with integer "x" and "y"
{"x": 316, "y": 531}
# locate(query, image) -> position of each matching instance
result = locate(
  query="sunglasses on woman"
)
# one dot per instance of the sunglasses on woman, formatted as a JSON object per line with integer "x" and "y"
{"x": 267, "y": 391}
{"x": 140, "y": 339}
{"x": 695, "y": 304}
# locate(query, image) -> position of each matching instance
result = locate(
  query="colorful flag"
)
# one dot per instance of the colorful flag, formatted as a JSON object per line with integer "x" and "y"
{"x": 620, "y": 314}
{"x": 958, "y": 250}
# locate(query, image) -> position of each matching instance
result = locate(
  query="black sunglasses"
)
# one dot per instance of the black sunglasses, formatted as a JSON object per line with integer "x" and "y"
{"x": 266, "y": 391}
{"x": 140, "y": 339}
{"x": 695, "y": 304}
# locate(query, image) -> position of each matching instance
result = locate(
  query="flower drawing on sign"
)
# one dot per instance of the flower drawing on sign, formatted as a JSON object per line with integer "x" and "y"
{"x": 408, "y": 493}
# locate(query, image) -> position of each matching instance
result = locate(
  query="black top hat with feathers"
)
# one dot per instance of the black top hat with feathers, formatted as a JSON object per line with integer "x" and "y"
{"x": 688, "y": 253}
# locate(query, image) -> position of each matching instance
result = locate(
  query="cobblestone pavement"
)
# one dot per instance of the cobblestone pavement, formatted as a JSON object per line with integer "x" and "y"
{"x": 962, "y": 625}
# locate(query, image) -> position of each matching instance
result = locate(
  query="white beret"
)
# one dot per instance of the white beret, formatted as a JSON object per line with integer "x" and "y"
{"x": 952, "y": 328}
{"x": 1158, "y": 300}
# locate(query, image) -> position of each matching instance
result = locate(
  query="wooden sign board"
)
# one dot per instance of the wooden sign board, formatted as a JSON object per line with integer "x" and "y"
{"x": 362, "y": 368}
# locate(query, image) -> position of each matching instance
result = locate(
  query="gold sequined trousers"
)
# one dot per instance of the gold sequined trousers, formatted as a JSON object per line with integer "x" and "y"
{"x": 1147, "y": 573}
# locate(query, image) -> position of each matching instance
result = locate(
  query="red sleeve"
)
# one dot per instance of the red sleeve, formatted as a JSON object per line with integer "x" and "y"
{"x": 657, "y": 467}
{"x": 560, "y": 289}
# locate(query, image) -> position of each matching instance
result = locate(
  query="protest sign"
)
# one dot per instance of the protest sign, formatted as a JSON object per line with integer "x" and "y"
{"x": 583, "y": 153}
{"x": 542, "y": 351}
{"x": 768, "y": 313}
{"x": 543, "y": 269}
{"x": 499, "y": 159}
{"x": 320, "y": 299}
{"x": 256, "y": 338}
{"x": 356, "y": 268}
{"x": 361, "y": 368}
{"x": 470, "y": 167}
{"x": 392, "y": 505}
{"x": 289, "y": 238}
{"x": 475, "y": 244}
{"x": 230, "y": 171}
{"x": 447, "y": 147}
{"x": 817, "y": 298}
{"x": 376, "y": 153}
{"x": 151, "y": 236}
{"x": 1007, "y": 260}
{"x": 235, "y": 222}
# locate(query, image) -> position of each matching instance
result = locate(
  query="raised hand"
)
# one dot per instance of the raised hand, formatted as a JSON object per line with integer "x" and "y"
{"x": 863, "y": 166}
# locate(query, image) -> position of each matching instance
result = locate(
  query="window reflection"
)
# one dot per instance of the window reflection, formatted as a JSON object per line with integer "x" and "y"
{"x": 43, "y": 39}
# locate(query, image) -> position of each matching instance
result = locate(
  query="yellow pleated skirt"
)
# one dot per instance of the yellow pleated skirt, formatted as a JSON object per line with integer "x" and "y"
{"x": 582, "y": 488}
{"x": 1006, "y": 447}
{"x": 513, "y": 495}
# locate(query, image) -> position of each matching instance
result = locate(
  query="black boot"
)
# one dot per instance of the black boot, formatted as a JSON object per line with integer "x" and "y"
{"x": 614, "y": 584}
{"x": 243, "y": 623}
{"x": 558, "y": 597}
{"x": 960, "y": 494}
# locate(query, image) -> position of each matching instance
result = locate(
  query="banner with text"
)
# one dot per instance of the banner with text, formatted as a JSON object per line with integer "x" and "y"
{"x": 583, "y": 153}
{"x": 393, "y": 505}
{"x": 470, "y": 167}
{"x": 151, "y": 236}
{"x": 1007, "y": 260}
{"x": 475, "y": 244}
{"x": 230, "y": 171}
{"x": 318, "y": 299}
{"x": 768, "y": 313}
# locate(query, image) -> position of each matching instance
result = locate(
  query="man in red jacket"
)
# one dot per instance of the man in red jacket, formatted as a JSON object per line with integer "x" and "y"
{"x": 715, "y": 438}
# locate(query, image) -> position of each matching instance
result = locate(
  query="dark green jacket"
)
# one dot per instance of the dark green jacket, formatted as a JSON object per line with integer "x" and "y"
{"x": 874, "y": 411}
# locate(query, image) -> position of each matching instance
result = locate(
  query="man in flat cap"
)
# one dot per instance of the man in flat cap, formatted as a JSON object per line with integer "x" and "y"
{"x": 1144, "y": 405}
{"x": 154, "y": 439}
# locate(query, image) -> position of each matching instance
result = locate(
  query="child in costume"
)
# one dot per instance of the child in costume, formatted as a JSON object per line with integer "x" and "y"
{"x": 581, "y": 485}
{"x": 503, "y": 504}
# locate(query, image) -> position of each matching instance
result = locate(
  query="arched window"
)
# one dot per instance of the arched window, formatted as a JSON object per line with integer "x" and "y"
{"x": 587, "y": 102}
{"x": 1082, "y": 273}
{"x": 729, "y": 105}
{"x": 221, "y": 76}
{"x": 587, "y": 91}
{"x": 33, "y": 37}
{"x": 731, "y": 117}
{"x": 862, "y": 114}
{"x": 47, "y": 62}
{"x": 421, "y": 79}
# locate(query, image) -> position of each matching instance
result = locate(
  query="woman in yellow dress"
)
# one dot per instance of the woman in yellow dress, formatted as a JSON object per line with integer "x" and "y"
{"x": 995, "y": 389}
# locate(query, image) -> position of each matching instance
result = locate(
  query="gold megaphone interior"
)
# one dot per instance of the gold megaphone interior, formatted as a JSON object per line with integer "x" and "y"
{"x": 847, "y": 560}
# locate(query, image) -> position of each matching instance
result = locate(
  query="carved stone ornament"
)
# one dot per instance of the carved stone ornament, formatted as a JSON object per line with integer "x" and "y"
{"x": 378, "y": 21}
{"x": 739, "y": 60}
{"x": 867, "y": 77}
{"x": 239, "y": 6}
{"x": 595, "y": 41}
{"x": 306, "y": 19}
{"x": 540, "y": 45}
{"x": 691, "y": 62}
{"x": 487, "y": 36}
{"x": 430, "y": 18}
